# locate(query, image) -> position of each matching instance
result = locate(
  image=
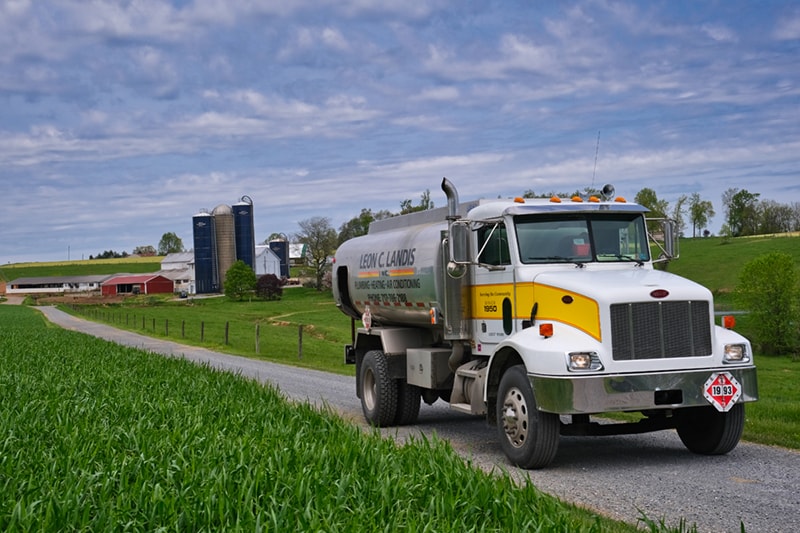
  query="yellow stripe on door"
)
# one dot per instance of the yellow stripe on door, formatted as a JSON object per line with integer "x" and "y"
{"x": 556, "y": 304}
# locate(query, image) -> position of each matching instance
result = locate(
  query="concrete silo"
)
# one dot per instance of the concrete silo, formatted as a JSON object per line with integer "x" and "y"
{"x": 225, "y": 237}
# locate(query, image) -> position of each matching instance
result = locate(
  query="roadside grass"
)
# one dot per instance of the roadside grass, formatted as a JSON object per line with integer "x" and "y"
{"x": 101, "y": 437}
{"x": 325, "y": 330}
{"x": 775, "y": 418}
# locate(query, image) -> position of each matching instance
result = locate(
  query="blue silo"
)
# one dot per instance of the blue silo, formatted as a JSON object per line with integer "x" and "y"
{"x": 206, "y": 271}
{"x": 244, "y": 231}
{"x": 281, "y": 249}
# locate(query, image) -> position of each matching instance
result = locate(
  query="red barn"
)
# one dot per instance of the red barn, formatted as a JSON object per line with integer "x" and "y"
{"x": 137, "y": 284}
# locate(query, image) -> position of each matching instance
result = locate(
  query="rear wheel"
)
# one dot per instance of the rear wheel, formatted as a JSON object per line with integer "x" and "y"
{"x": 378, "y": 390}
{"x": 706, "y": 431}
{"x": 528, "y": 437}
{"x": 408, "y": 400}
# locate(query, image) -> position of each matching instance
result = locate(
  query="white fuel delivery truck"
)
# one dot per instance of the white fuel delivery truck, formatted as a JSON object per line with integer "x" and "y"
{"x": 538, "y": 314}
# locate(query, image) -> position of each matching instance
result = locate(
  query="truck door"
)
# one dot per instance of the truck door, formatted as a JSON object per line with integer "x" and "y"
{"x": 493, "y": 288}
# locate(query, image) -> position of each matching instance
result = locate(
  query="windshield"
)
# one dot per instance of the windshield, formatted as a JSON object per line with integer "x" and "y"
{"x": 582, "y": 238}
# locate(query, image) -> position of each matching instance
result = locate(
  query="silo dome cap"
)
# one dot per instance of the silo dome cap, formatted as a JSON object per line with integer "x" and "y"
{"x": 222, "y": 209}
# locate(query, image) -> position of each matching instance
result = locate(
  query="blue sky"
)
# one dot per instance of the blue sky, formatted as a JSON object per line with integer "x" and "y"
{"x": 119, "y": 121}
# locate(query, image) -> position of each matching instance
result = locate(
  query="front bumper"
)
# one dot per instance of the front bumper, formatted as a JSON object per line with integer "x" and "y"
{"x": 633, "y": 392}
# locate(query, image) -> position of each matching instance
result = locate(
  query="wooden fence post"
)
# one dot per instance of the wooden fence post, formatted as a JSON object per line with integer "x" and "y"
{"x": 300, "y": 341}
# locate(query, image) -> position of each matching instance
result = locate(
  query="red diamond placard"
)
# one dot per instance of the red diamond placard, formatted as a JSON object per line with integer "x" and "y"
{"x": 722, "y": 390}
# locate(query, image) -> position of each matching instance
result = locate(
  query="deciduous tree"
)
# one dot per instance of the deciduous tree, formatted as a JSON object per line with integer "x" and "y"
{"x": 320, "y": 238}
{"x": 658, "y": 208}
{"x": 239, "y": 280}
{"x": 700, "y": 212}
{"x": 741, "y": 215}
{"x": 269, "y": 287}
{"x": 425, "y": 203}
{"x": 170, "y": 243}
{"x": 768, "y": 288}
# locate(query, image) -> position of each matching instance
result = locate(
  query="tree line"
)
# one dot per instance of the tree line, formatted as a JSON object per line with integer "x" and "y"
{"x": 170, "y": 243}
{"x": 745, "y": 213}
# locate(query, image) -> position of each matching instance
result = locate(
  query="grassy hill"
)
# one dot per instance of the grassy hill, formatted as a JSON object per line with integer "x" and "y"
{"x": 716, "y": 262}
{"x": 132, "y": 265}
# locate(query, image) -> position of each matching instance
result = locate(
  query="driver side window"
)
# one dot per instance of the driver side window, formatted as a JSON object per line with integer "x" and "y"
{"x": 494, "y": 245}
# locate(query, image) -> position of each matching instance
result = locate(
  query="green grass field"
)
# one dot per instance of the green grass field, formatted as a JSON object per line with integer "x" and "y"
{"x": 716, "y": 262}
{"x": 131, "y": 265}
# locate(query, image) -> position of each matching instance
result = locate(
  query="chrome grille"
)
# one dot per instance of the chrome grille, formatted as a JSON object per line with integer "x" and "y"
{"x": 656, "y": 330}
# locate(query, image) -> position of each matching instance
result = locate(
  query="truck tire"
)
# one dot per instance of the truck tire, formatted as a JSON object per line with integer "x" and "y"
{"x": 706, "y": 431}
{"x": 378, "y": 390}
{"x": 408, "y": 400}
{"x": 528, "y": 437}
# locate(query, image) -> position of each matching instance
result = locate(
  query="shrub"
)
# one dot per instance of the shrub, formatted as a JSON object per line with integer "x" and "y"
{"x": 239, "y": 280}
{"x": 768, "y": 288}
{"x": 269, "y": 287}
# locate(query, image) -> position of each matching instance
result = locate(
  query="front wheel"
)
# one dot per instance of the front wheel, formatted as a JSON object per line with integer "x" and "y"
{"x": 378, "y": 390}
{"x": 528, "y": 437}
{"x": 706, "y": 431}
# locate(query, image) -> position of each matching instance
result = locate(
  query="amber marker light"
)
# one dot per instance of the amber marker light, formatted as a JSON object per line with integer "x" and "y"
{"x": 546, "y": 330}
{"x": 555, "y": 199}
{"x": 519, "y": 200}
{"x": 594, "y": 199}
{"x": 728, "y": 321}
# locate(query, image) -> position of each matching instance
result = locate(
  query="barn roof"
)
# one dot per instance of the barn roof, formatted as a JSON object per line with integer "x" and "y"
{"x": 130, "y": 279}
{"x": 60, "y": 279}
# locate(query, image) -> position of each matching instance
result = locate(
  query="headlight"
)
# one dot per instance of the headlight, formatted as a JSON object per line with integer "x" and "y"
{"x": 583, "y": 361}
{"x": 736, "y": 353}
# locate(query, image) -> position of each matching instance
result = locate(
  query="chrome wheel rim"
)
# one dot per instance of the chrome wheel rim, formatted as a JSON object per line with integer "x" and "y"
{"x": 515, "y": 417}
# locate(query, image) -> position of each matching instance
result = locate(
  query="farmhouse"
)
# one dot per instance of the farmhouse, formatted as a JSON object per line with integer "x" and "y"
{"x": 137, "y": 284}
{"x": 179, "y": 267}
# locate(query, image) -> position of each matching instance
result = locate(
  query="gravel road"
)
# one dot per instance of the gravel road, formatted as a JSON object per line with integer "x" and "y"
{"x": 621, "y": 477}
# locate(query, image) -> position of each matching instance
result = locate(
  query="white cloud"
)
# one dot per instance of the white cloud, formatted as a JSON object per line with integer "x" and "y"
{"x": 788, "y": 28}
{"x": 720, "y": 33}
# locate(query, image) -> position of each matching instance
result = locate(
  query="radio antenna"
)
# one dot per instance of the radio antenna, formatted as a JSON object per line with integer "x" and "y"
{"x": 596, "y": 150}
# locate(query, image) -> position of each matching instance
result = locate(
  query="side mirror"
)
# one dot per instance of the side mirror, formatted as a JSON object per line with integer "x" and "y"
{"x": 459, "y": 242}
{"x": 669, "y": 238}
